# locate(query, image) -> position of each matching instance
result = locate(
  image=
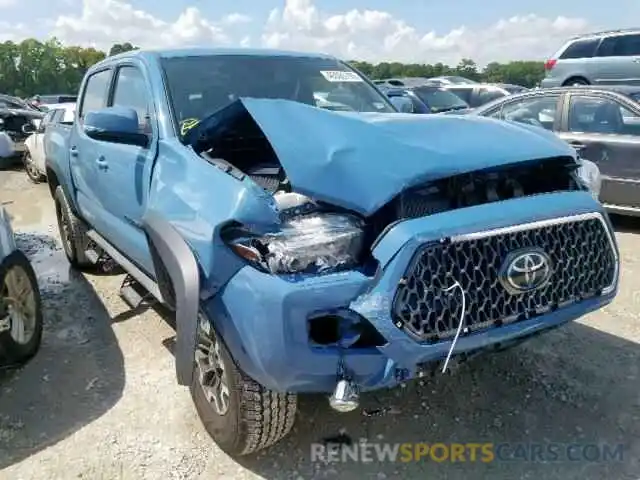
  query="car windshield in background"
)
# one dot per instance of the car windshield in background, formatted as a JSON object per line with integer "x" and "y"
{"x": 202, "y": 85}
{"x": 515, "y": 89}
{"x": 440, "y": 100}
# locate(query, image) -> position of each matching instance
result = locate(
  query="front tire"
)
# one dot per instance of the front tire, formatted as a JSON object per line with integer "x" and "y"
{"x": 20, "y": 310}
{"x": 241, "y": 415}
{"x": 30, "y": 168}
{"x": 73, "y": 232}
{"x": 576, "y": 82}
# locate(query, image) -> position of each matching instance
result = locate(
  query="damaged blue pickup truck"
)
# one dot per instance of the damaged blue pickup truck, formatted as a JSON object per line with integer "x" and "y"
{"x": 310, "y": 237}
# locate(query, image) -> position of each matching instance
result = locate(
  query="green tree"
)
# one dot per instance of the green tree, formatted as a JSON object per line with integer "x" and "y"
{"x": 117, "y": 48}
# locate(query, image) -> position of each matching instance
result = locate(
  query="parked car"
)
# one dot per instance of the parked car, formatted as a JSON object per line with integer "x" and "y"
{"x": 428, "y": 99}
{"x": 308, "y": 250}
{"x": 34, "y": 153}
{"x": 47, "y": 100}
{"x": 401, "y": 82}
{"x": 20, "y": 301}
{"x": 17, "y": 119}
{"x": 451, "y": 80}
{"x": 482, "y": 93}
{"x": 602, "y": 123}
{"x": 602, "y": 58}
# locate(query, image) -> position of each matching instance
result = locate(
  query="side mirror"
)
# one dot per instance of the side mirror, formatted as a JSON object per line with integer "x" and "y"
{"x": 115, "y": 125}
{"x": 402, "y": 104}
{"x": 29, "y": 128}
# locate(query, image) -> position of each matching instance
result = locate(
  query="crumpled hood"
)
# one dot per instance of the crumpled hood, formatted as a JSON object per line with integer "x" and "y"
{"x": 360, "y": 161}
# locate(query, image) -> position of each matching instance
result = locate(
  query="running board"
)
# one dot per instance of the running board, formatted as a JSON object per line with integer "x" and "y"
{"x": 141, "y": 277}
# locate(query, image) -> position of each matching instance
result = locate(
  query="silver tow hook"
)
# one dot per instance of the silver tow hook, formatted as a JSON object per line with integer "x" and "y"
{"x": 345, "y": 397}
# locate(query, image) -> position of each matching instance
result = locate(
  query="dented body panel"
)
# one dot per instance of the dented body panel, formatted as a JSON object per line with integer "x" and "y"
{"x": 344, "y": 161}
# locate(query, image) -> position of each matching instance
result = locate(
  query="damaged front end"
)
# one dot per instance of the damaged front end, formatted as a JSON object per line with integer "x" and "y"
{"x": 357, "y": 198}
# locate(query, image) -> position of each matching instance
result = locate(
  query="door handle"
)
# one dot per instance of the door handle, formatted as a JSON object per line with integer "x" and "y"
{"x": 102, "y": 163}
{"x": 73, "y": 151}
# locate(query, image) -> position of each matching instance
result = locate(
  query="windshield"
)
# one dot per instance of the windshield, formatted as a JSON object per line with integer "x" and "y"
{"x": 201, "y": 85}
{"x": 440, "y": 100}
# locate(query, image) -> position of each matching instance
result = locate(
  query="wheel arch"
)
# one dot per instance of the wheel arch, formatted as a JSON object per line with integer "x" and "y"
{"x": 178, "y": 278}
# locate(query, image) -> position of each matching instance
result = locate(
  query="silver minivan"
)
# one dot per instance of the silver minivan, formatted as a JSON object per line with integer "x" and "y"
{"x": 603, "y": 58}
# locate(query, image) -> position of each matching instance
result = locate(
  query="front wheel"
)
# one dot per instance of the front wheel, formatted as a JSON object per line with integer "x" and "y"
{"x": 241, "y": 415}
{"x": 20, "y": 310}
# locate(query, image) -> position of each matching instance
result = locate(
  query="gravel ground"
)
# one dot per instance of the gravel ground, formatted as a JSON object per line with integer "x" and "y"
{"x": 100, "y": 399}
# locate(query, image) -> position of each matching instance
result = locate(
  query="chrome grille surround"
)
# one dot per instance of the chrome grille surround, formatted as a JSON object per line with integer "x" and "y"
{"x": 583, "y": 255}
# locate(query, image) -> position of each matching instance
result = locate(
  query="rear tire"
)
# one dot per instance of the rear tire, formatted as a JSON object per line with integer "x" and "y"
{"x": 20, "y": 310}
{"x": 239, "y": 414}
{"x": 31, "y": 169}
{"x": 73, "y": 232}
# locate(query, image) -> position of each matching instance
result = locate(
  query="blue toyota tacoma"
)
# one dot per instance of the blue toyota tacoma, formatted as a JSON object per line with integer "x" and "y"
{"x": 311, "y": 249}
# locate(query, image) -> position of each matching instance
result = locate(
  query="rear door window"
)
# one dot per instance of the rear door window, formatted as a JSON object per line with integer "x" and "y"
{"x": 465, "y": 94}
{"x": 620, "y": 46}
{"x": 591, "y": 114}
{"x": 580, "y": 49}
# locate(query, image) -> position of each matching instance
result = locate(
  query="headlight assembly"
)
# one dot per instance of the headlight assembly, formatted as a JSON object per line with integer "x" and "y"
{"x": 588, "y": 174}
{"x": 316, "y": 243}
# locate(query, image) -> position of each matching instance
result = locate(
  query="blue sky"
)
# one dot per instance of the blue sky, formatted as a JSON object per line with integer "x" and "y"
{"x": 407, "y": 30}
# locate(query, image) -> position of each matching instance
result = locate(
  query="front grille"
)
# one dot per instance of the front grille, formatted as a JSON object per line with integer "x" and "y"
{"x": 583, "y": 265}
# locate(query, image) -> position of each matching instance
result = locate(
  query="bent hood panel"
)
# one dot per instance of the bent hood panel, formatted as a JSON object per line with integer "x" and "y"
{"x": 361, "y": 161}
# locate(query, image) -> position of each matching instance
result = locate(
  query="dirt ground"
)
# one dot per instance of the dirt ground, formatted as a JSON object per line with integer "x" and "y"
{"x": 100, "y": 399}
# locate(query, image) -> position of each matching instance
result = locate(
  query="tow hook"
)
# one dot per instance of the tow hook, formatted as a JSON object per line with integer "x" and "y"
{"x": 345, "y": 397}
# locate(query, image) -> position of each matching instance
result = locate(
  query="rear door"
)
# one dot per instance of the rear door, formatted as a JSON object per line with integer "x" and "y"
{"x": 618, "y": 60}
{"x": 84, "y": 151}
{"x": 125, "y": 169}
{"x": 606, "y": 130}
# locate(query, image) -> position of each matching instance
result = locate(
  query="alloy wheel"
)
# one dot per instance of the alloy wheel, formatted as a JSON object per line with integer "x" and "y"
{"x": 17, "y": 294}
{"x": 211, "y": 370}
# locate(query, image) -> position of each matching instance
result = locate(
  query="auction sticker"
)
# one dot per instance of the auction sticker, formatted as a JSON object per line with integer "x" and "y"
{"x": 340, "y": 76}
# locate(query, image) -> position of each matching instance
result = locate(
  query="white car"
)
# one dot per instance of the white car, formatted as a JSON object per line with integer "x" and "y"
{"x": 34, "y": 154}
{"x": 20, "y": 301}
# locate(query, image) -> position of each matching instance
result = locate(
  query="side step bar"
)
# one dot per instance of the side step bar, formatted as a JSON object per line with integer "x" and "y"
{"x": 141, "y": 277}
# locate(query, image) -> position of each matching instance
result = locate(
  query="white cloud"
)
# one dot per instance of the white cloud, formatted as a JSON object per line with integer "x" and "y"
{"x": 7, "y": 3}
{"x": 300, "y": 25}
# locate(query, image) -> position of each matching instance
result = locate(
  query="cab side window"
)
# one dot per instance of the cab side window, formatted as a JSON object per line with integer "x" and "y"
{"x": 95, "y": 92}
{"x": 130, "y": 91}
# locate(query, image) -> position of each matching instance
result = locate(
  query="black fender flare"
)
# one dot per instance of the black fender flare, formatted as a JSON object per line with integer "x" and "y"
{"x": 174, "y": 259}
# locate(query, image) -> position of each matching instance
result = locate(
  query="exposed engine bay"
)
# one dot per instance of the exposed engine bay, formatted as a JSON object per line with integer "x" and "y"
{"x": 318, "y": 236}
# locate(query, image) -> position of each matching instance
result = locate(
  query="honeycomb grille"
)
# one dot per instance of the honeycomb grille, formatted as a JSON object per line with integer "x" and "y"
{"x": 583, "y": 264}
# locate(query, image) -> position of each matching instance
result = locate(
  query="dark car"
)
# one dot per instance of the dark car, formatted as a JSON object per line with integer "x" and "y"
{"x": 481, "y": 93}
{"x": 16, "y": 124}
{"x": 428, "y": 99}
{"x": 602, "y": 123}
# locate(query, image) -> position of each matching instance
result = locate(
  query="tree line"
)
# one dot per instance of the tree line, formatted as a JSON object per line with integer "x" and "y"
{"x": 33, "y": 67}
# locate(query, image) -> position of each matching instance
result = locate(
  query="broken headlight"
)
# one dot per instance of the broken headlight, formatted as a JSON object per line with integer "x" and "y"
{"x": 316, "y": 243}
{"x": 588, "y": 174}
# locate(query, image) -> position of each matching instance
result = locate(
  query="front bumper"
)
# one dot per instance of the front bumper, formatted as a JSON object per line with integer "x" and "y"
{"x": 263, "y": 318}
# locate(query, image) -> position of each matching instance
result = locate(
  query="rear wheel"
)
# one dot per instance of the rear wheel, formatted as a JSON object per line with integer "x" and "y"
{"x": 30, "y": 168}
{"x": 241, "y": 415}
{"x": 576, "y": 82}
{"x": 20, "y": 310}
{"x": 73, "y": 232}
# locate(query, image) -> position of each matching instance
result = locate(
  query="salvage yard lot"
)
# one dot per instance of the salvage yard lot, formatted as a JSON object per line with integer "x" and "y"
{"x": 100, "y": 399}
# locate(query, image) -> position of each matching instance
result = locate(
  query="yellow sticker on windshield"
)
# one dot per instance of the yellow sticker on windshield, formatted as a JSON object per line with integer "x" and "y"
{"x": 187, "y": 125}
